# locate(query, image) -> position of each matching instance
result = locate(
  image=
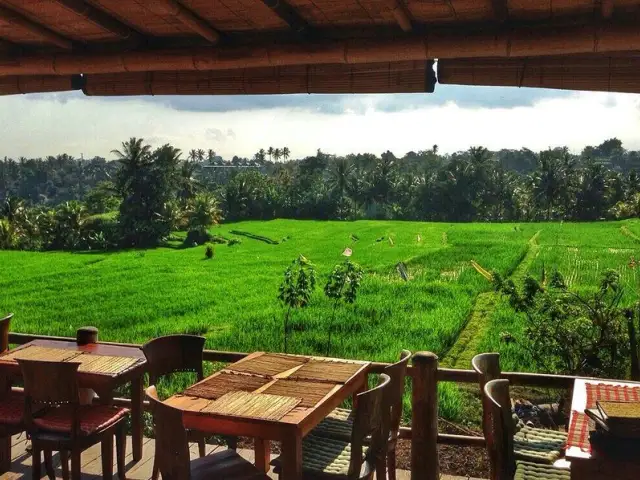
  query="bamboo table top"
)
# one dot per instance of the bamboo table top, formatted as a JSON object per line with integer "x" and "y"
{"x": 266, "y": 390}
{"x": 585, "y": 464}
{"x": 95, "y": 359}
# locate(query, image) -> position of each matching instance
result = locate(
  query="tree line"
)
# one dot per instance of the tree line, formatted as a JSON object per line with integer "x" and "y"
{"x": 148, "y": 192}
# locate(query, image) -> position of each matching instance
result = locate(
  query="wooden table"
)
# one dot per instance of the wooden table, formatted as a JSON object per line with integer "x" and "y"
{"x": 588, "y": 465}
{"x": 101, "y": 382}
{"x": 320, "y": 385}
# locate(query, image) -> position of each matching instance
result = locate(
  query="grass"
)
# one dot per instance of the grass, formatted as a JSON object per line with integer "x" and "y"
{"x": 135, "y": 295}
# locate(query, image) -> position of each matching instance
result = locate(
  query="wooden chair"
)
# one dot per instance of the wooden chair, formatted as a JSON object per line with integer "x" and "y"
{"x": 500, "y": 442}
{"x": 537, "y": 445}
{"x": 339, "y": 423}
{"x": 65, "y": 426}
{"x": 172, "y": 450}
{"x": 360, "y": 457}
{"x": 5, "y": 323}
{"x": 178, "y": 353}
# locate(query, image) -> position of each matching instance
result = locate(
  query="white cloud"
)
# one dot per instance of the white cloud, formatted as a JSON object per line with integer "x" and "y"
{"x": 92, "y": 126}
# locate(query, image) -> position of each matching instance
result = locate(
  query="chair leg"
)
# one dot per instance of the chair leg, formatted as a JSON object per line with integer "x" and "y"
{"x": 391, "y": 465}
{"x": 48, "y": 465}
{"x": 36, "y": 461}
{"x": 76, "y": 473}
{"x": 107, "y": 457}
{"x": 121, "y": 451}
{"x": 232, "y": 442}
{"x": 64, "y": 462}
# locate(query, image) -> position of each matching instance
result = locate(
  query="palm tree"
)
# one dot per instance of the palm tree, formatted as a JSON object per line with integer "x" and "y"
{"x": 204, "y": 212}
{"x": 133, "y": 157}
{"x": 193, "y": 154}
{"x": 286, "y": 153}
{"x": 271, "y": 151}
{"x": 200, "y": 154}
{"x": 211, "y": 155}
{"x": 188, "y": 185}
{"x": 260, "y": 156}
{"x": 339, "y": 176}
{"x": 277, "y": 154}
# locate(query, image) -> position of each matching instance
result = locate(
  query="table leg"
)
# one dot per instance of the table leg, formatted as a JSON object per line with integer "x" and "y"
{"x": 292, "y": 457}
{"x": 262, "y": 450}
{"x": 5, "y": 454}
{"x": 137, "y": 409}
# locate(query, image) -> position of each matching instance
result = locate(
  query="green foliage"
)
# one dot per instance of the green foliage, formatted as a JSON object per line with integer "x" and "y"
{"x": 296, "y": 288}
{"x": 203, "y": 212}
{"x": 569, "y": 332}
{"x": 208, "y": 252}
{"x": 8, "y": 236}
{"x": 342, "y": 286}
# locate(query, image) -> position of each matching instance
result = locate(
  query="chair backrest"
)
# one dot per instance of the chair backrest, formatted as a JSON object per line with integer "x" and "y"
{"x": 371, "y": 418}
{"x": 487, "y": 366}
{"x": 500, "y": 437}
{"x": 174, "y": 353}
{"x": 50, "y": 384}
{"x": 397, "y": 373}
{"x": 172, "y": 446}
{"x": 5, "y": 323}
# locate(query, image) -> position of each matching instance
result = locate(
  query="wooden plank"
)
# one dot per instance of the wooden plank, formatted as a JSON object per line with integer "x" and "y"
{"x": 99, "y": 18}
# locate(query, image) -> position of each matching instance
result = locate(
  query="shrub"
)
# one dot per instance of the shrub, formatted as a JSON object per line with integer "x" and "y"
{"x": 102, "y": 231}
{"x": 196, "y": 237}
{"x": 296, "y": 289}
{"x": 234, "y": 241}
{"x": 208, "y": 252}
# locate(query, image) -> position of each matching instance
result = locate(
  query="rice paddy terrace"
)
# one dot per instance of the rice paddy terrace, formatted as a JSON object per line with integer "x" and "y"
{"x": 440, "y": 302}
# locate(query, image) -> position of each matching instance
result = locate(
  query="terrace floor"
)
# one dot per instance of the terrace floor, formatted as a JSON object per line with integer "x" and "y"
{"x": 92, "y": 462}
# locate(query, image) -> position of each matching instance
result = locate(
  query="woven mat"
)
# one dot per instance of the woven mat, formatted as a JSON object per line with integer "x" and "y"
{"x": 36, "y": 352}
{"x": 268, "y": 364}
{"x": 104, "y": 364}
{"x": 309, "y": 392}
{"x": 579, "y": 431}
{"x": 326, "y": 371}
{"x": 611, "y": 393}
{"x": 253, "y": 405}
{"x": 215, "y": 387}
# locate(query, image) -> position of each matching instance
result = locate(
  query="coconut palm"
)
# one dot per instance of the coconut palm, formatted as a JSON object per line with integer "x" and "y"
{"x": 211, "y": 155}
{"x": 200, "y": 153}
{"x": 134, "y": 157}
{"x": 193, "y": 154}
{"x": 270, "y": 152}
{"x": 339, "y": 176}
{"x": 204, "y": 212}
{"x": 286, "y": 153}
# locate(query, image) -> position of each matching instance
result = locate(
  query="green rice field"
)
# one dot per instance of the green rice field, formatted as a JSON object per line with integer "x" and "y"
{"x": 231, "y": 299}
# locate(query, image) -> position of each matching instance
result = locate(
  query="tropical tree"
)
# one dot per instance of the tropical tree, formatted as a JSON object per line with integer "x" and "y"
{"x": 200, "y": 155}
{"x": 277, "y": 154}
{"x": 340, "y": 172}
{"x": 295, "y": 290}
{"x": 286, "y": 153}
{"x": 193, "y": 155}
{"x": 204, "y": 212}
{"x": 270, "y": 152}
{"x": 211, "y": 155}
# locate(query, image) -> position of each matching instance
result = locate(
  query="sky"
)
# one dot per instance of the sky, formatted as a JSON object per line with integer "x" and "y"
{"x": 454, "y": 118}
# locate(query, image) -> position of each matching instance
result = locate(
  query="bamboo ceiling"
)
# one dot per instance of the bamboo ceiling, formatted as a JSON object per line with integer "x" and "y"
{"x": 188, "y": 47}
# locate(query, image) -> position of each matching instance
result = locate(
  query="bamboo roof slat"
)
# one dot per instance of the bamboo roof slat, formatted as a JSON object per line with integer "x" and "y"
{"x": 97, "y": 17}
{"x": 18, "y": 19}
{"x": 253, "y": 405}
{"x": 13, "y": 85}
{"x": 236, "y": 15}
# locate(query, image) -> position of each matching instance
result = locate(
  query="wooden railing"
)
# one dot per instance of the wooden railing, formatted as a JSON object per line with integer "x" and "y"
{"x": 425, "y": 375}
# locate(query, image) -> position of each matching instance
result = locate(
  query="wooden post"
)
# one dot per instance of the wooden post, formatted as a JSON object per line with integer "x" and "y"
{"x": 5, "y": 324}
{"x": 87, "y": 335}
{"x": 424, "y": 419}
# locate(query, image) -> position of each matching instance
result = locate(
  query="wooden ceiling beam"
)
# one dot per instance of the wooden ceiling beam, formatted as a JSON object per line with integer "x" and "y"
{"x": 34, "y": 28}
{"x": 99, "y": 18}
{"x": 606, "y": 8}
{"x": 500, "y": 10}
{"x": 187, "y": 18}
{"x": 401, "y": 14}
{"x": 288, "y": 15}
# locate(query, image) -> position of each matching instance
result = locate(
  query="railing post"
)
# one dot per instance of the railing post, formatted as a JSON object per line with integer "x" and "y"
{"x": 424, "y": 418}
{"x": 87, "y": 335}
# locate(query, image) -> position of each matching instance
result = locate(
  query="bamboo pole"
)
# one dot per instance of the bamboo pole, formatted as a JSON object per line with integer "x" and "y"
{"x": 516, "y": 43}
{"x": 36, "y": 29}
{"x": 424, "y": 419}
{"x": 187, "y": 18}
